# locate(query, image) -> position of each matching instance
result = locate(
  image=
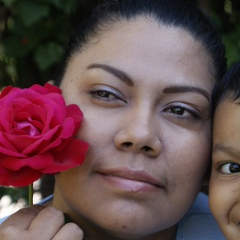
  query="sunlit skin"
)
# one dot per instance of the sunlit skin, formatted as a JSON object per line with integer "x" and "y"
{"x": 145, "y": 93}
{"x": 225, "y": 179}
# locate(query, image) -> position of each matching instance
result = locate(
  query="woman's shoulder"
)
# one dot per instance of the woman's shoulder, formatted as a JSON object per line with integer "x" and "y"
{"x": 199, "y": 223}
{"x": 3, "y": 219}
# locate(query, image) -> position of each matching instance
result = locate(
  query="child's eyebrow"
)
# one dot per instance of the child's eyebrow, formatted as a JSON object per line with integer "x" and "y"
{"x": 226, "y": 149}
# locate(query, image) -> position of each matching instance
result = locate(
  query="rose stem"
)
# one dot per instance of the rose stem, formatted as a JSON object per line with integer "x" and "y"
{"x": 30, "y": 194}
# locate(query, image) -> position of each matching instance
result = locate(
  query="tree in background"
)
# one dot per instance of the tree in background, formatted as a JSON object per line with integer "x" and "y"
{"x": 33, "y": 35}
{"x": 226, "y": 16}
{"x": 32, "y": 38}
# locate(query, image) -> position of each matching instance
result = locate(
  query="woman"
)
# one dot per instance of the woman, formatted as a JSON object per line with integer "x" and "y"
{"x": 142, "y": 73}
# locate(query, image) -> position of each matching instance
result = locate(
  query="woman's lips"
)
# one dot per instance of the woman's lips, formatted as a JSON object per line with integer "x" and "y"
{"x": 130, "y": 180}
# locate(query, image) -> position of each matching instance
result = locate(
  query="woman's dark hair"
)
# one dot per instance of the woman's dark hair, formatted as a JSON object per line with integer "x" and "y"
{"x": 228, "y": 86}
{"x": 176, "y": 13}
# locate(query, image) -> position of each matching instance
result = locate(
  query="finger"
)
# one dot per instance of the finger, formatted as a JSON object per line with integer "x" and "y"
{"x": 14, "y": 227}
{"x": 23, "y": 217}
{"x": 69, "y": 231}
{"x": 47, "y": 223}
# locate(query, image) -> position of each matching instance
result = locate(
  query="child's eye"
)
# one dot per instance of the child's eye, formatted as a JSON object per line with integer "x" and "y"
{"x": 228, "y": 168}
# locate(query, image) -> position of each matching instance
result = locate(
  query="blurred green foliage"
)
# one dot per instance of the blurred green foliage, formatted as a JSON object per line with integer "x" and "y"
{"x": 14, "y": 193}
{"x": 32, "y": 38}
{"x": 226, "y": 16}
{"x": 33, "y": 35}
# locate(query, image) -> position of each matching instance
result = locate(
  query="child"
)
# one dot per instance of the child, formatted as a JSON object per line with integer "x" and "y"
{"x": 225, "y": 178}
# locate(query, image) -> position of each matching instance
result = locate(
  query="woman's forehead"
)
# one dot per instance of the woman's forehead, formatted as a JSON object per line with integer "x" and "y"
{"x": 145, "y": 45}
{"x": 136, "y": 25}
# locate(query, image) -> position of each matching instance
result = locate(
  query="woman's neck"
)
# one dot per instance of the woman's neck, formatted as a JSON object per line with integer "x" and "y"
{"x": 93, "y": 232}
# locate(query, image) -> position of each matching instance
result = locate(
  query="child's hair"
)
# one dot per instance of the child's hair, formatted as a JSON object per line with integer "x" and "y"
{"x": 228, "y": 87}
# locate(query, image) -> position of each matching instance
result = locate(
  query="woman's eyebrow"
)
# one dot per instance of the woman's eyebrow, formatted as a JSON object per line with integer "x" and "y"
{"x": 226, "y": 149}
{"x": 124, "y": 77}
{"x": 184, "y": 89}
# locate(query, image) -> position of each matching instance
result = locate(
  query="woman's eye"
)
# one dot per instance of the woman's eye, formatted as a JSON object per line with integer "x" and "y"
{"x": 182, "y": 112}
{"x": 107, "y": 96}
{"x": 228, "y": 168}
{"x": 177, "y": 110}
{"x": 104, "y": 94}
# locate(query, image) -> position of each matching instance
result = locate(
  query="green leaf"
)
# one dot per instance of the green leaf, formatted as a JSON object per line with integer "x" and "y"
{"x": 65, "y": 6}
{"x": 31, "y": 12}
{"x": 232, "y": 44}
{"x": 8, "y": 3}
{"x": 68, "y": 6}
{"x": 48, "y": 54}
{"x": 56, "y": 3}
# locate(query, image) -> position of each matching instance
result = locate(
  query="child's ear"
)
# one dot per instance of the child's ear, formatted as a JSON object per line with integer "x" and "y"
{"x": 206, "y": 179}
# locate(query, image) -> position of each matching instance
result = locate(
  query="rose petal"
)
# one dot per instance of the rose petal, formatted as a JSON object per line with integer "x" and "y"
{"x": 5, "y": 123}
{"x": 3, "y": 170}
{"x": 7, "y": 152}
{"x": 21, "y": 178}
{"x": 68, "y": 128}
{"x": 42, "y": 143}
{"x": 37, "y": 162}
{"x": 28, "y": 128}
{"x": 59, "y": 109}
{"x": 75, "y": 112}
{"x": 22, "y": 142}
{"x": 46, "y": 89}
{"x": 5, "y": 91}
{"x": 37, "y": 132}
{"x": 72, "y": 156}
{"x": 6, "y": 147}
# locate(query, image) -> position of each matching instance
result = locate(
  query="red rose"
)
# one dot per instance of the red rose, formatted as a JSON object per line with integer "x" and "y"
{"x": 37, "y": 132}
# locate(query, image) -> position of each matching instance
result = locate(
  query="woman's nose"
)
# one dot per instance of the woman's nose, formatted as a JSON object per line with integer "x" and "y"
{"x": 138, "y": 136}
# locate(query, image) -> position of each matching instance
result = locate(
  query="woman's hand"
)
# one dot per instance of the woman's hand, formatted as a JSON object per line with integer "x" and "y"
{"x": 38, "y": 222}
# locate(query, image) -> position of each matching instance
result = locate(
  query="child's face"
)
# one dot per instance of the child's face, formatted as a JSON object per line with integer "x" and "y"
{"x": 225, "y": 178}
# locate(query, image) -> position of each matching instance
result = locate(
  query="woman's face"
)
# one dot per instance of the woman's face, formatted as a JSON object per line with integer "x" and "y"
{"x": 145, "y": 93}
